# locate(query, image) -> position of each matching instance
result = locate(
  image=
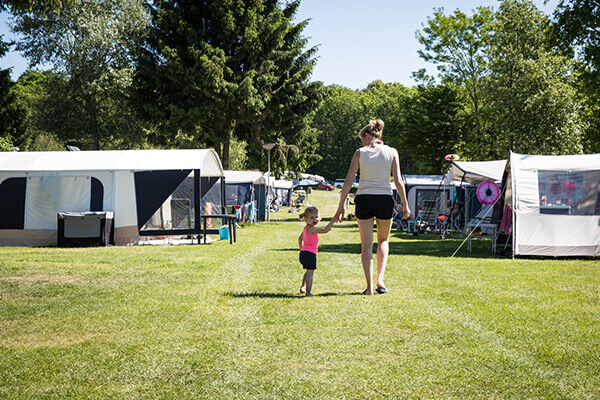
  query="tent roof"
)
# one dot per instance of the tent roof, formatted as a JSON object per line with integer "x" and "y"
{"x": 475, "y": 172}
{"x": 582, "y": 162}
{"x": 281, "y": 183}
{"x": 414, "y": 180}
{"x": 206, "y": 160}
{"x": 254, "y": 177}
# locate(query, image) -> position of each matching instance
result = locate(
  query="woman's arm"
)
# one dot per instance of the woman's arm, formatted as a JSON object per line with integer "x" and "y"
{"x": 400, "y": 185}
{"x": 352, "y": 171}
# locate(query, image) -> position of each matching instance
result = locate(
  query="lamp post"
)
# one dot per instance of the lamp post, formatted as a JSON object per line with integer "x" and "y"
{"x": 268, "y": 147}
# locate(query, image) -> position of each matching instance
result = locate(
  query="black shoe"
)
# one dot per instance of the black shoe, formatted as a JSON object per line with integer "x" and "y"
{"x": 381, "y": 290}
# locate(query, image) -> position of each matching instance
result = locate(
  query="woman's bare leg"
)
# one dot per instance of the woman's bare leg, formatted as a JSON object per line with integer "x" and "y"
{"x": 365, "y": 227}
{"x": 383, "y": 248}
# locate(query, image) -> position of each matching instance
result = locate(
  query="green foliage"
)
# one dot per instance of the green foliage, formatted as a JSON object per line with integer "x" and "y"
{"x": 434, "y": 127}
{"x": 519, "y": 90}
{"x": 12, "y": 114}
{"x": 533, "y": 102}
{"x": 577, "y": 28}
{"x": 21, "y": 6}
{"x": 238, "y": 155}
{"x": 5, "y": 144}
{"x": 218, "y": 70}
{"x": 92, "y": 43}
{"x": 338, "y": 120}
{"x": 344, "y": 111}
{"x": 459, "y": 45}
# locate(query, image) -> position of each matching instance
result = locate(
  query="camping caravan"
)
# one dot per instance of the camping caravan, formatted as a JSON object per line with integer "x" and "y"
{"x": 554, "y": 202}
{"x": 425, "y": 191}
{"x": 132, "y": 185}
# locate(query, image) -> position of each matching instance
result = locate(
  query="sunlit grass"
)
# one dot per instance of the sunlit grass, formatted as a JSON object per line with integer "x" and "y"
{"x": 227, "y": 321}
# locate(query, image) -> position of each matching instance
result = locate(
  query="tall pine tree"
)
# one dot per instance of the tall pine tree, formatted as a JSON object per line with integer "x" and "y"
{"x": 217, "y": 70}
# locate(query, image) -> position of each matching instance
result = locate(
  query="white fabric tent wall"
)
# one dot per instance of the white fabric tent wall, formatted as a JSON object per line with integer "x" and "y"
{"x": 535, "y": 233}
{"x": 114, "y": 169}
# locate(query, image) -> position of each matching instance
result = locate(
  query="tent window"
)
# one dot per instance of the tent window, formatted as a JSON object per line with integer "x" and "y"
{"x": 569, "y": 193}
{"x": 12, "y": 203}
{"x": 429, "y": 195}
{"x": 152, "y": 188}
{"x": 97, "y": 196}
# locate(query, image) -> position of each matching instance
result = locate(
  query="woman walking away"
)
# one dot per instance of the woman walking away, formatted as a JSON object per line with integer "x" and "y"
{"x": 374, "y": 200}
{"x": 309, "y": 243}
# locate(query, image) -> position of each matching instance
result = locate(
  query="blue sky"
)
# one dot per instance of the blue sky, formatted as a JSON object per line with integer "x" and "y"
{"x": 359, "y": 41}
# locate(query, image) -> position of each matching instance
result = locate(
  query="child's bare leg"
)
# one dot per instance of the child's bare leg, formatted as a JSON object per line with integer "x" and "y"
{"x": 309, "y": 281}
{"x": 303, "y": 287}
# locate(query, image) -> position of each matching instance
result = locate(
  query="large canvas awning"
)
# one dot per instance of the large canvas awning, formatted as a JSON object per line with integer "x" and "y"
{"x": 475, "y": 172}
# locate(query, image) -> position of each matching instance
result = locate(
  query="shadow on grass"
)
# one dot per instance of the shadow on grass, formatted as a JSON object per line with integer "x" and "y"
{"x": 272, "y": 295}
{"x": 421, "y": 246}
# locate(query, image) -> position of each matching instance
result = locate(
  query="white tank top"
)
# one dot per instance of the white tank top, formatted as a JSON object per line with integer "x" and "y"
{"x": 375, "y": 165}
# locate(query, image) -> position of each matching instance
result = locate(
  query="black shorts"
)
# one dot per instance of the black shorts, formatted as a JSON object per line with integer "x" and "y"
{"x": 380, "y": 206}
{"x": 308, "y": 259}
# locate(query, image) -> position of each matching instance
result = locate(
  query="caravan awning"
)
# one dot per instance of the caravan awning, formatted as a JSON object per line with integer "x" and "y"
{"x": 253, "y": 177}
{"x": 207, "y": 160}
{"x": 475, "y": 172}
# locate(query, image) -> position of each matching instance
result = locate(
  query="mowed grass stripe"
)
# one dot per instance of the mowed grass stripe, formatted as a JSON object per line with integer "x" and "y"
{"x": 189, "y": 322}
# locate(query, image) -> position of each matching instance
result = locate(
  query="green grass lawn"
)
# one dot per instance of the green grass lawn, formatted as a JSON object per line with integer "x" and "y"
{"x": 227, "y": 321}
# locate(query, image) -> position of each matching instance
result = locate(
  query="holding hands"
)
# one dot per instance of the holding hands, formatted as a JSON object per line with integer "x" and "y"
{"x": 339, "y": 214}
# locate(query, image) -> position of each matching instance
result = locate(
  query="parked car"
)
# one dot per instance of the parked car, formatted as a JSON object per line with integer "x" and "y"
{"x": 340, "y": 182}
{"x": 324, "y": 186}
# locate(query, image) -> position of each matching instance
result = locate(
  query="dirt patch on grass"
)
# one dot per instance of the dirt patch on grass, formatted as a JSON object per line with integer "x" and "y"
{"x": 40, "y": 278}
{"x": 4, "y": 296}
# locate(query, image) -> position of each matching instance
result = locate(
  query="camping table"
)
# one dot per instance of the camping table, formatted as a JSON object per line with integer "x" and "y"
{"x": 230, "y": 218}
{"x": 493, "y": 227}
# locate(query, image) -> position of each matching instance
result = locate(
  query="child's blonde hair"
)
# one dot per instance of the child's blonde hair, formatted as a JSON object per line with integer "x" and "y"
{"x": 309, "y": 210}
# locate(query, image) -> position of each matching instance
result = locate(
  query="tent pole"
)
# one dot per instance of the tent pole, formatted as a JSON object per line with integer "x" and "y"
{"x": 197, "y": 210}
{"x": 223, "y": 196}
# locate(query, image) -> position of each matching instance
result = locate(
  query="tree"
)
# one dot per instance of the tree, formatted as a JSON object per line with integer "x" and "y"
{"x": 12, "y": 114}
{"x": 434, "y": 127}
{"x": 53, "y": 118}
{"x": 30, "y": 5}
{"x": 524, "y": 98}
{"x": 338, "y": 119}
{"x": 218, "y": 70}
{"x": 92, "y": 43}
{"x": 531, "y": 93}
{"x": 458, "y": 44}
{"x": 577, "y": 29}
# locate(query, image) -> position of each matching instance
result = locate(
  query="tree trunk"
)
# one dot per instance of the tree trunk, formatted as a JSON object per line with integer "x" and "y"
{"x": 225, "y": 153}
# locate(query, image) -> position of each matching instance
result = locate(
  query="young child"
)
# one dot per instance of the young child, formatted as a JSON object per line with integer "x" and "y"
{"x": 308, "y": 243}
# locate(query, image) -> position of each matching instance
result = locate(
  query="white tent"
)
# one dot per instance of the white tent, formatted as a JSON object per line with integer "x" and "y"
{"x": 475, "y": 172}
{"x": 245, "y": 187}
{"x": 555, "y": 202}
{"x": 281, "y": 190}
{"x": 133, "y": 184}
